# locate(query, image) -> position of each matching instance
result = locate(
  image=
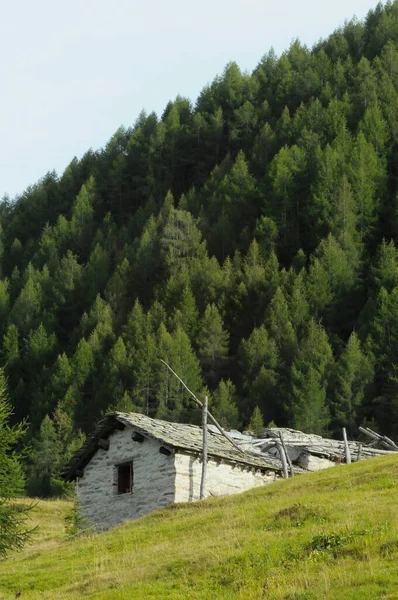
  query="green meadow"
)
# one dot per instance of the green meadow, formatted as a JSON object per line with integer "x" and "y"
{"x": 332, "y": 534}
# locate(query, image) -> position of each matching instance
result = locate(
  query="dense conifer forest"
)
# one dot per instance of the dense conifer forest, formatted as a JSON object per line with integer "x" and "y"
{"x": 250, "y": 240}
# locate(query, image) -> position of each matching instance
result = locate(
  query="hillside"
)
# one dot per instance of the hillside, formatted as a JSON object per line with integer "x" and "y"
{"x": 329, "y": 535}
{"x": 248, "y": 239}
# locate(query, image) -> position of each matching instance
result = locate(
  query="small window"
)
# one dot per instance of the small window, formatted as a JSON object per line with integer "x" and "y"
{"x": 125, "y": 478}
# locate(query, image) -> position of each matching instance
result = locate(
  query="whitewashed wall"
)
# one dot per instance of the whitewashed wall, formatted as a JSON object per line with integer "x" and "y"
{"x": 154, "y": 476}
{"x": 222, "y": 479}
{"x": 159, "y": 480}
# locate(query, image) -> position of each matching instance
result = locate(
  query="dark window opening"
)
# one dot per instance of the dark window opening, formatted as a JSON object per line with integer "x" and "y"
{"x": 125, "y": 478}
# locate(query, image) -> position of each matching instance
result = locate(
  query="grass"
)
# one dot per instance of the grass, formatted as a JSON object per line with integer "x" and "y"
{"x": 332, "y": 534}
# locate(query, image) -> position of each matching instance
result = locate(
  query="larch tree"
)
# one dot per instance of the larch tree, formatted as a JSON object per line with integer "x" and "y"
{"x": 13, "y": 531}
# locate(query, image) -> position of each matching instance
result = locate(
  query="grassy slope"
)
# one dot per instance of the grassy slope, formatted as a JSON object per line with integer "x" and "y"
{"x": 332, "y": 534}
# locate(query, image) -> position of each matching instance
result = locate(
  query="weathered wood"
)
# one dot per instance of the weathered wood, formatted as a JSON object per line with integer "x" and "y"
{"x": 289, "y": 462}
{"x": 389, "y": 441}
{"x": 283, "y": 459}
{"x": 103, "y": 444}
{"x": 346, "y": 448}
{"x": 204, "y": 456}
{"x": 377, "y": 438}
{"x": 164, "y": 450}
{"x": 137, "y": 437}
{"x": 359, "y": 452}
{"x": 210, "y": 416}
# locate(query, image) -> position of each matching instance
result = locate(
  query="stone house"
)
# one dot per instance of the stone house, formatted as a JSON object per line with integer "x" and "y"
{"x": 131, "y": 465}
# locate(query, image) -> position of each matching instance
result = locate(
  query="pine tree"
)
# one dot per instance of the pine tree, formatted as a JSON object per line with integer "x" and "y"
{"x": 353, "y": 372}
{"x": 14, "y": 533}
{"x": 224, "y": 405}
{"x": 256, "y": 422}
{"x": 45, "y": 456}
{"x": 281, "y": 327}
{"x": 309, "y": 378}
{"x": 174, "y": 402}
{"x": 212, "y": 343}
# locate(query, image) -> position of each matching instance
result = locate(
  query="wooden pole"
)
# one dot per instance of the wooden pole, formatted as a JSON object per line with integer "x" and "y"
{"x": 204, "y": 459}
{"x": 210, "y": 416}
{"x": 376, "y": 437}
{"x": 359, "y": 452}
{"x": 283, "y": 459}
{"x": 289, "y": 462}
{"x": 346, "y": 448}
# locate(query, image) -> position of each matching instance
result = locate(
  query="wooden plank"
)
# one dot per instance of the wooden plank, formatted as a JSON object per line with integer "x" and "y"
{"x": 103, "y": 444}
{"x": 359, "y": 452}
{"x": 346, "y": 448}
{"x": 164, "y": 450}
{"x": 289, "y": 462}
{"x": 204, "y": 456}
{"x": 283, "y": 459}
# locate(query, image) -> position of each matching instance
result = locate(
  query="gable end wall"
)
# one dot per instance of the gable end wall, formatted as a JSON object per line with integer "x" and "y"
{"x": 154, "y": 475}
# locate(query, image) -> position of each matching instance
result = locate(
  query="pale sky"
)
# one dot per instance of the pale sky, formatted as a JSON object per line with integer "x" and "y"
{"x": 73, "y": 71}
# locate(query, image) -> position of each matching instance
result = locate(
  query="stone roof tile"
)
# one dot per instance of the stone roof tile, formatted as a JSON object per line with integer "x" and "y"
{"x": 179, "y": 436}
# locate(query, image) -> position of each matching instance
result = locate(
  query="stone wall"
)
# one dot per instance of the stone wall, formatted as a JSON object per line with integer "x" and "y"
{"x": 154, "y": 476}
{"x": 159, "y": 480}
{"x": 222, "y": 479}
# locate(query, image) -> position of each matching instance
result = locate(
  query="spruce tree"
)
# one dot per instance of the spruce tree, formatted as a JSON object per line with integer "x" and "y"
{"x": 256, "y": 422}
{"x": 13, "y": 531}
{"x": 212, "y": 343}
{"x": 224, "y": 405}
{"x": 352, "y": 374}
{"x": 310, "y": 374}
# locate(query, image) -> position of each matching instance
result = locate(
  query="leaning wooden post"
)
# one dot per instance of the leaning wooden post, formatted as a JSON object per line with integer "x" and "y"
{"x": 199, "y": 403}
{"x": 289, "y": 462}
{"x": 283, "y": 459}
{"x": 204, "y": 458}
{"x": 346, "y": 448}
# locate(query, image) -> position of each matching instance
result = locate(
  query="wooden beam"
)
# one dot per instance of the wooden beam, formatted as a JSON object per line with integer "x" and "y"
{"x": 210, "y": 416}
{"x": 204, "y": 458}
{"x": 359, "y": 452}
{"x": 164, "y": 451}
{"x": 283, "y": 459}
{"x": 103, "y": 444}
{"x": 137, "y": 437}
{"x": 289, "y": 462}
{"x": 346, "y": 448}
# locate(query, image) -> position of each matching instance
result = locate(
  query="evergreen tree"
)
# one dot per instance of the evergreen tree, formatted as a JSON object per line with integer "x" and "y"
{"x": 256, "y": 422}
{"x": 219, "y": 237}
{"x": 212, "y": 343}
{"x": 224, "y": 405}
{"x": 174, "y": 402}
{"x": 353, "y": 372}
{"x": 12, "y": 517}
{"x": 310, "y": 375}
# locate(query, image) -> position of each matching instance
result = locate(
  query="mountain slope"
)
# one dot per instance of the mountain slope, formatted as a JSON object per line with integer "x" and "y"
{"x": 332, "y": 534}
{"x": 249, "y": 240}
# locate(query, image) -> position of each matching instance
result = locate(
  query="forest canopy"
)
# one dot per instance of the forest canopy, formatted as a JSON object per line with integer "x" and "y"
{"x": 249, "y": 240}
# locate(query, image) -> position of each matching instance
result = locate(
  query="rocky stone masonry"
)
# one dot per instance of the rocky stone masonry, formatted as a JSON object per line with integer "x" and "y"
{"x": 153, "y": 488}
{"x": 167, "y": 468}
{"x": 167, "y": 463}
{"x": 310, "y": 452}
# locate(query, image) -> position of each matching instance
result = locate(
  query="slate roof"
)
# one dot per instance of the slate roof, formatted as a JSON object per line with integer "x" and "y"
{"x": 177, "y": 436}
